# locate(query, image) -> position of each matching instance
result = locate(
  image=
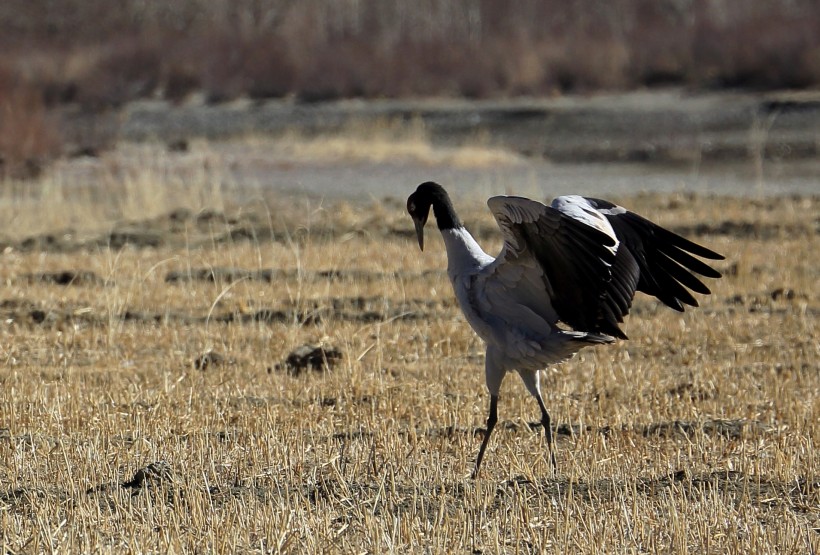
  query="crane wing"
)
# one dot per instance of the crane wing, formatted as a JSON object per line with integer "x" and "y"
{"x": 568, "y": 251}
{"x": 653, "y": 260}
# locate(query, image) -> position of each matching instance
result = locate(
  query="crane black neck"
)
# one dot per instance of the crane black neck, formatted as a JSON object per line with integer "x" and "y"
{"x": 446, "y": 217}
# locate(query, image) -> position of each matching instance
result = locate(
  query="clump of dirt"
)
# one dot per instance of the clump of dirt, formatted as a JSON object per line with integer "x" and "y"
{"x": 54, "y": 242}
{"x": 213, "y": 275}
{"x": 731, "y": 429}
{"x": 25, "y": 312}
{"x": 331, "y": 401}
{"x": 787, "y": 294}
{"x": 139, "y": 237}
{"x": 688, "y": 390}
{"x": 318, "y": 358}
{"x": 211, "y": 358}
{"x": 64, "y": 277}
{"x": 155, "y": 478}
{"x": 151, "y": 476}
{"x": 773, "y": 301}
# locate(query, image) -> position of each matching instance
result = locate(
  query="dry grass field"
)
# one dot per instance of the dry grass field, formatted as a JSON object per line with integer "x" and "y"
{"x": 145, "y": 406}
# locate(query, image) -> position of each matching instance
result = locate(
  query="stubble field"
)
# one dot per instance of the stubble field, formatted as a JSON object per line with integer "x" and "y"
{"x": 145, "y": 403}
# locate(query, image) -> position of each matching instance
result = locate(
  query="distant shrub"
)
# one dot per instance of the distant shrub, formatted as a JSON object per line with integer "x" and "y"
{"x": 761, "y": 46}
{"x": 127, "y": 68}
{"x": 29, "y": 134}
{"x": 179, "y": 80}
{"x": 343, "y": 69}
{"x": 389, "y": 48}
{"x": 268, "y": 68}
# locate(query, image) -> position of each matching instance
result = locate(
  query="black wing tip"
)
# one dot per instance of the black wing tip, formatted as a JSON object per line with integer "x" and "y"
{"x": 709, "y": 254}
{"x": 706, "y": 252}
{"x": 714, "y": 274}
{"x": 687, "y": 244}
{"x": 683, "y": 303}
{"x": 613, "y": 329}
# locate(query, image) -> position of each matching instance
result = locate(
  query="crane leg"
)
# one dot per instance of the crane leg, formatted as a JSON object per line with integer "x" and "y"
{"x": 491, "y": 420}
{"x": 545, "y": 422}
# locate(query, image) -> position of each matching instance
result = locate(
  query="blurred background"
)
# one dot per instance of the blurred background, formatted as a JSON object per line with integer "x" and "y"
{"x": 556, "y": 80}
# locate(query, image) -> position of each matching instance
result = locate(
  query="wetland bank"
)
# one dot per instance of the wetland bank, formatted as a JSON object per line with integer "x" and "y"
{"x": 201, "y": 354}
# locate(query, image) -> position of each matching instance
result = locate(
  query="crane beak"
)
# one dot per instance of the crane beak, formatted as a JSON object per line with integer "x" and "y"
{"x": 419, "y": 231}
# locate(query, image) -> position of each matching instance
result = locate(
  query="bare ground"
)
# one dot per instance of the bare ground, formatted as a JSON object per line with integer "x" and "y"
{"x": 146, "y": 403}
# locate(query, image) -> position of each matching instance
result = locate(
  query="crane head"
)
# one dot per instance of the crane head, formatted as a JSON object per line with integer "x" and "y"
{"x": 418, "y": 206}
{"x": 426, "y": 195}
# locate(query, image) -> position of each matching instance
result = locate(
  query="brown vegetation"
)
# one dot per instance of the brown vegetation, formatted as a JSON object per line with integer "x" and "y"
{"x": 83, "y": 53}
{"x": 29, "y": 136}
{"x": 143, "y": 409}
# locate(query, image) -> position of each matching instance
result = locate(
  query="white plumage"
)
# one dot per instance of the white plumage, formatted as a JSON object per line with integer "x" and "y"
{"x": 577, "y": 262}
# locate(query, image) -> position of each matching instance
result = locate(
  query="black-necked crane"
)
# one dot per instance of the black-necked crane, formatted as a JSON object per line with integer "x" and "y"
{"x": 577, "y": 262}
